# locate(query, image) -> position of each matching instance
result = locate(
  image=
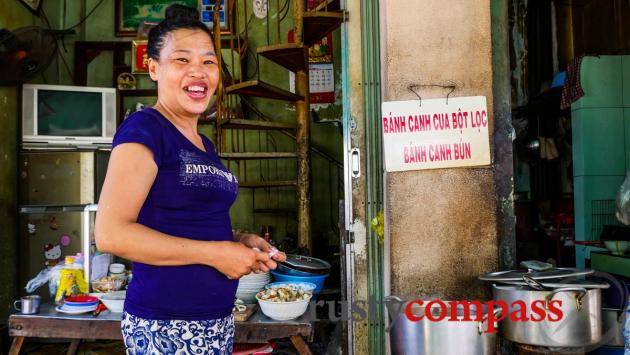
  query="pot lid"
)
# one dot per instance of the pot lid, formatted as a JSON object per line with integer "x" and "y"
{"x": 306, "y": 263}
{"x": 517, "y": 275}
{"x": 572, "y": 282}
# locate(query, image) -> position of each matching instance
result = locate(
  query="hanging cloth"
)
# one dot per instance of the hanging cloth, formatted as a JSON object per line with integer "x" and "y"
{"x": 572, "y": 89}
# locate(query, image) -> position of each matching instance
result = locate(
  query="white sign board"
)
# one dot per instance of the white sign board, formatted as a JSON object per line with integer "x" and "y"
{"x": 433, "y": 134}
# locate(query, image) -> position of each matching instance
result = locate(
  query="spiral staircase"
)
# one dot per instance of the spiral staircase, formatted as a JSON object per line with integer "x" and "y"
{"x": 238, "y": 121}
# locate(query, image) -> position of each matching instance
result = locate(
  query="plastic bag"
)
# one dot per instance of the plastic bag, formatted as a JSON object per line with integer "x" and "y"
{"x": 623, "y": 201}
{"x": 48, "y": 275}
{"x": 38, "y": 281}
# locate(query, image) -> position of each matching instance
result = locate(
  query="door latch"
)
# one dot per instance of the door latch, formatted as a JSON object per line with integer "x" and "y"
{"x": 355, "y": 162}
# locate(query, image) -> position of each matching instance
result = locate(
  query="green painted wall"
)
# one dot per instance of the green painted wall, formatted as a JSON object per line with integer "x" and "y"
{"x": 12, "y": 16}
{"x": 326, "y": 136}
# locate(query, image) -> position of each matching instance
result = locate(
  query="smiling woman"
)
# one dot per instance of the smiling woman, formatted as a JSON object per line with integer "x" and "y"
{"x": 165, "y": 205}
{"x": 187, "y": 74}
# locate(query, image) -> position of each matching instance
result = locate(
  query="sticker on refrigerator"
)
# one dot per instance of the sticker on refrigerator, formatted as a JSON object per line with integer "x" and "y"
{"x": 52, "y": 254}
{"x": 65, "y": 240}
{"x": 54, "y": 225}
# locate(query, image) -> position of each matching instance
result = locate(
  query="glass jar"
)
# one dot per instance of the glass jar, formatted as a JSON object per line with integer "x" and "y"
{"x": 118, "y": 271}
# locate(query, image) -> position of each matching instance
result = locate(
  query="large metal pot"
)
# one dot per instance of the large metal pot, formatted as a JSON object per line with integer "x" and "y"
{"x": 612, "y": 326}
{"x": 579, "y": 326}
{"x": 442, "y": 337}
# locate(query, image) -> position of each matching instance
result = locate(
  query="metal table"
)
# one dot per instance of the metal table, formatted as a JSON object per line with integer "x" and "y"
{"x": 49, "y": 323}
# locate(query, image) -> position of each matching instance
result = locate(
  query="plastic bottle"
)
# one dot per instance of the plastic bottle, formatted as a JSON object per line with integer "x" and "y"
{"x": 78, "y": 260}
{"x": 71, "y": 280}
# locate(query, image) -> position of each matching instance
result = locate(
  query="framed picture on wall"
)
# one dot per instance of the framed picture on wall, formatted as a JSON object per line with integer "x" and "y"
{"x": 206, "y": 8}
{"x": 32, "y": 5}
{"x": 130, "y": 14}
{"x": 139, "y": 57}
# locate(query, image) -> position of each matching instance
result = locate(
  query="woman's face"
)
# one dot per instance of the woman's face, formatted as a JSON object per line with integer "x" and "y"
{"x": 187, "y": 72}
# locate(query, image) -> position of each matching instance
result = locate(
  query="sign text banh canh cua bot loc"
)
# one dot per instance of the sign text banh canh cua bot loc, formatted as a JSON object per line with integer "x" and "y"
{"x": 435, "y": 133}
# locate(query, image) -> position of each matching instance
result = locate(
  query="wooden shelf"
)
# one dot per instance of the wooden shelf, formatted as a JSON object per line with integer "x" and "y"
{"x": 258, "y": 155}
{"x": 225, "y": 43}
{"x": 317, "y": 24}
{"x": 256, "y": 124}
{"x": 292, "y": 56}
{"x": 614, "y": 264}
{"x": 261, "y": 89}
{"x": 264, "y": 184}
{"x": 328, "y": 5}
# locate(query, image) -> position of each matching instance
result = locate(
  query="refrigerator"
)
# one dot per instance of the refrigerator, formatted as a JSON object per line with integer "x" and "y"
{"x": 53, "y": 185}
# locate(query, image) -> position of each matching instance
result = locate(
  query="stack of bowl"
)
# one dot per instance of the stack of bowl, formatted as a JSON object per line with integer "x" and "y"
{"x": 78, "y": 304}
{"x": 298, "y": 268}
{"x": 250, "y": 284}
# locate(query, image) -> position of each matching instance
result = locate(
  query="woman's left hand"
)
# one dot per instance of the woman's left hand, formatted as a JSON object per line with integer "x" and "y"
{"x": 255, "y": 241}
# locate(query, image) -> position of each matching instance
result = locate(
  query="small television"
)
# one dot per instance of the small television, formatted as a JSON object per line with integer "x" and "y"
{"x": 67, "y": 116}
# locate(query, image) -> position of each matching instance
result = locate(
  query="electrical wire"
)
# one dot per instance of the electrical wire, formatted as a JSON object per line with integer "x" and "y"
{"x": 65, "y": 12}
{"x": 285, "y": 12}
{"x": 45, "y": 18}
{"x": 279, "y": 14}
{"x": 268, "y": 21}
{"x": 253, "y": 55}
{"x": 62, "y": 35}
{"x": 63, "y": 59}
{"x": 86, "y": 16}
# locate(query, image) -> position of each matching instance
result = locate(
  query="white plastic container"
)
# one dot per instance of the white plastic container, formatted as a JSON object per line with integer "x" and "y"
{"x": 117, "y": 271}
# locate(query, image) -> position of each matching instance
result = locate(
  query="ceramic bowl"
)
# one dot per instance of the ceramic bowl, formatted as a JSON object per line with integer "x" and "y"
{"x": 283, "y": 310}
{"x": 617, "y": 247}
{"x": 247, "y": 296}
{"x": 318, "y": 280}
{"x": 81, "y": 301}
{"x": 114, "y": 301}
{"x": 250, "y": 284}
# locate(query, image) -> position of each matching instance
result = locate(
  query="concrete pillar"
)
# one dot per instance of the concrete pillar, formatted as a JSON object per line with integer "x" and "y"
{"x": 441, "y": 223}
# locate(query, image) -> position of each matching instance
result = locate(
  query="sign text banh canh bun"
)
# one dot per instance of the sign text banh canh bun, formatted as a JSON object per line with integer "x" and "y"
{"x": 435, "y": 133}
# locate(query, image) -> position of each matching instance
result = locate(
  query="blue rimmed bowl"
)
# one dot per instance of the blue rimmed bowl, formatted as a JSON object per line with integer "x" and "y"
{"x": 318, "y": 280}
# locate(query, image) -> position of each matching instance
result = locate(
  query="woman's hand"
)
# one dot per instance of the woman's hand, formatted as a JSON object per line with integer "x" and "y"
{"x": 255, "y": 241}
{"x": 235, "y": 260}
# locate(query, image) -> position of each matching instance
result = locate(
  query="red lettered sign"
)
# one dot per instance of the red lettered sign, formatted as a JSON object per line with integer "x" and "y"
{"x": 435, "y": 134}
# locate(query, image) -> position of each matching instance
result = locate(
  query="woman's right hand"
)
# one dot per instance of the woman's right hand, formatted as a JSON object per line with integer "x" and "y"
{"x": 235, "y": 260}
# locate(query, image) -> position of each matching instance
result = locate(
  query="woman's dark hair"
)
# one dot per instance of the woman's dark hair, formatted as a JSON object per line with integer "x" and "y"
{"x": 177, "y": 17}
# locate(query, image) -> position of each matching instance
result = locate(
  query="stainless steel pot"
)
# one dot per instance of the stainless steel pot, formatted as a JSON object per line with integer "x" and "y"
{"x": 612, "y": 327}
{"x": 442, "y": 337}
{"x": 579, "y": 326}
